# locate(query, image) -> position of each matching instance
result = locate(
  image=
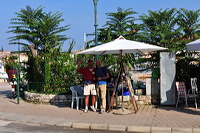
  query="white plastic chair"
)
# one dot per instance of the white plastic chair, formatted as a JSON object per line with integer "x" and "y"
{"x": 194, "y": 85}
{"x": 181, "y": 90}
{"x": 77, "y": 93}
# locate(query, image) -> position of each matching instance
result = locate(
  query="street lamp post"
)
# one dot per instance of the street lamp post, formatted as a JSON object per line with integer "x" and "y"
{"x": 95, "y": 24}
{"x": 18, "y": 74}
{"x": 18, "y": 71}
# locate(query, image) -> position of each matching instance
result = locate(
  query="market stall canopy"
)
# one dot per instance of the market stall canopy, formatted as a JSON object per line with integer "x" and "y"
{"x": 194, "y": 46}
{"x": 122, "y": 45}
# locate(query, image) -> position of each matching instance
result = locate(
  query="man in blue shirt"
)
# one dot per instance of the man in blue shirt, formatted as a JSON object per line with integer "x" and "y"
{"x": 101, "y": 75}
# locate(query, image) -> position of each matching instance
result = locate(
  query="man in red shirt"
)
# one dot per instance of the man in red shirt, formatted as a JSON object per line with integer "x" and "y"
{"x": 89, "y": 84}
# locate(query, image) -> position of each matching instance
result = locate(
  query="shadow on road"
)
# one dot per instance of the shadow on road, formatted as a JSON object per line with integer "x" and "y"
{"x": 6, "y": 93}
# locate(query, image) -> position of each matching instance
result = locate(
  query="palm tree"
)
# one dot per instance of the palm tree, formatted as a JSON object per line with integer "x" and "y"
{"x": 188, "y": 21}
{"x": 159, "y": 27}
{"x": 41, "y": 33}
{"x": 37, "y": 28}
{"x": 119, "y": 23}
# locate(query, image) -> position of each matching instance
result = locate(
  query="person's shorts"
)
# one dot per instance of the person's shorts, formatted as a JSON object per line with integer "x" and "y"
{"x": 89, "y": 89}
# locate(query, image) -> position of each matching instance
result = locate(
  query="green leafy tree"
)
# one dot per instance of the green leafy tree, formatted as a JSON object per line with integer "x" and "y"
{"x": 10, "y": 62}
{"x": 41, "y": 32}
{"x": 62, "y": 71}
{"x": 37, "y": 28}
{"x": 71, "y": 46}
{"x": 119, "y": 23}
{"x": 188, "y": 20}
{"x": 172, "y": 29}
{"x": 188, "y": 64}
{"x": 159, "y": 27}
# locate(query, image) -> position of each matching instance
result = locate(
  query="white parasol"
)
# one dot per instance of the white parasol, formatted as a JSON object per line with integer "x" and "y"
{"x": 194, "y": 46}
{"x": 123, "y": 45}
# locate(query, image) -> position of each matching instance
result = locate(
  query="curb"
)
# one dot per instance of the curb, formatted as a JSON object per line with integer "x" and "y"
{"x": 69, "y": 124}
{"x": 161, "y": 129}
{"x": 99, "y": 126}
{"x": 50, "y": 121}
{"x": 139, "y": 129}
{"x": 117, "y": 127}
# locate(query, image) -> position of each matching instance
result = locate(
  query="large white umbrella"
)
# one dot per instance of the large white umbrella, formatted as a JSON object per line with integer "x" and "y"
{"x": 121, "y": 46}
{"x": 194, "y": 46}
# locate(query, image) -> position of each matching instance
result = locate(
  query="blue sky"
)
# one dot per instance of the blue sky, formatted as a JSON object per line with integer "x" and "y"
{"x": 79, "y": 14}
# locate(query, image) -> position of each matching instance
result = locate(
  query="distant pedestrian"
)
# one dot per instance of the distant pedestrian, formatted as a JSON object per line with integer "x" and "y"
{"x": 89, "y": 83}
{"x": 101, "y": 75}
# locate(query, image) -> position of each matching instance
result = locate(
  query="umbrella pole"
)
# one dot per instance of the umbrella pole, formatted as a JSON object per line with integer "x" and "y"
{"x": 115, "y": 91}
{"x": 116, "y": 86}
{"x": 122, "y": 111}
{"x": 121, "y": 66}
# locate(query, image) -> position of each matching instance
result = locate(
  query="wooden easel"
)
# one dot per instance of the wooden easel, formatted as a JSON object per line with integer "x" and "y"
{"x": 130, "y": 88}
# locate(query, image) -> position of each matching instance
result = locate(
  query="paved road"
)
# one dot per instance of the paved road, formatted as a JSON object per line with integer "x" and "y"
{"x": 17, "y": 127}
{"x": 148, "y": 118}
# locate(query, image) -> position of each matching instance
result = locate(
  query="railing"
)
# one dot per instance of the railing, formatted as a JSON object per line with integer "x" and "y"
{"x": 53, "y": 88}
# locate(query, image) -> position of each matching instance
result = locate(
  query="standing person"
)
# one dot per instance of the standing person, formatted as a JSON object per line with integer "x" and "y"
{"x": 89, "y": 83}
{"x": 101, "y": 75}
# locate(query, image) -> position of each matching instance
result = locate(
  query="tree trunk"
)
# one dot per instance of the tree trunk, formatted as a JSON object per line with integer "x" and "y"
{"x": 34, "y": 54}
{"x": 32, "y": 49}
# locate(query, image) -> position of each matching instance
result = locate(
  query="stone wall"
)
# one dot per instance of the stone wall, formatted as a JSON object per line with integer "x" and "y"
{"x": 141, "y": 99}
{"x": 66, "y": 99}
{"x": 147, "y": 99}
{"x": 47, "y": 98}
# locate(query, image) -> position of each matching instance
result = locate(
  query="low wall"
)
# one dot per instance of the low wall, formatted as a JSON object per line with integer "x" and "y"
{"x": 66, "y": 99}
{"x": 141, "y": 99}
{"x": 47, "y": 98}
{"x": 147, "y": 99}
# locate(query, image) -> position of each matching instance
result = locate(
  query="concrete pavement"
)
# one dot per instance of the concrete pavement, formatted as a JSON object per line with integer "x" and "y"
{"x": 149, "y": 118}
